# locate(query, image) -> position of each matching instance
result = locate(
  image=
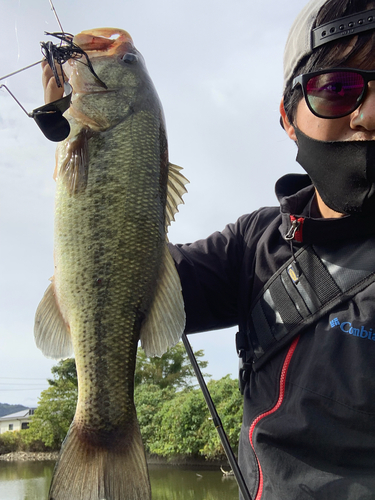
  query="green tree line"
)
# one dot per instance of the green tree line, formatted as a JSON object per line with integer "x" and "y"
{"x": 172, "y": 413}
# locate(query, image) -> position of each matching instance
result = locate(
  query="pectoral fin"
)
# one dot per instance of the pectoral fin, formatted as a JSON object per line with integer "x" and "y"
{"x": 165, "y": 321}
{"x": 52, "y": 335}
{"x": 73, "y": 161}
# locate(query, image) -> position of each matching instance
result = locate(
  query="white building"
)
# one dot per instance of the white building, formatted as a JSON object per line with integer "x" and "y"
{"x": 16, "y": 421}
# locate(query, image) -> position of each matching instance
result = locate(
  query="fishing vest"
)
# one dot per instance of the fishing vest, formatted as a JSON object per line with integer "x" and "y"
{"x": 311, "y": 283}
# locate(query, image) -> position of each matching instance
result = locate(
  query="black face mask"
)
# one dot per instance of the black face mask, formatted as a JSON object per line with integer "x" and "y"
{"x": 343, "y": 172}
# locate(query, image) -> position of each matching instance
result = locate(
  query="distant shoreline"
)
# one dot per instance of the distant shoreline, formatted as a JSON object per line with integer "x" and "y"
{"x": 27, "y": 456}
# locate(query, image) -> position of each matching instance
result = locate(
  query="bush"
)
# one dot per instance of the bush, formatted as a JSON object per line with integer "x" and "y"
{"x": 53, "y": 416}
{"x": 181, "y": 419}
{"x": 149, "y": 400}
{"x": 229, "y": 405}
{"x": 12, "y": 441}
{"x": 183, "y": 426}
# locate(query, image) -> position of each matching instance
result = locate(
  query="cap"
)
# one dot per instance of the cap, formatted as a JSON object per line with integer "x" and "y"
{"x": 303, "y": 39}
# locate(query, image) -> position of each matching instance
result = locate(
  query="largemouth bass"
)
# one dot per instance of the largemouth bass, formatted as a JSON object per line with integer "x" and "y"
{"x": 115, "y": 281}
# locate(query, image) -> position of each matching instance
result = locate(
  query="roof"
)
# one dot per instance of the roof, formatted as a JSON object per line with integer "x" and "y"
{"x": 19, "y": 414}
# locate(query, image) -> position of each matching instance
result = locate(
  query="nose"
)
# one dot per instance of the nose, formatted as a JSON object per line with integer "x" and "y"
{"x": 363, "y": 118}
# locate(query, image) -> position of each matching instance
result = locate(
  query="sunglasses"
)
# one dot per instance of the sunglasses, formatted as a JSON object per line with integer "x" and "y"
{"x": 334, "y": 93}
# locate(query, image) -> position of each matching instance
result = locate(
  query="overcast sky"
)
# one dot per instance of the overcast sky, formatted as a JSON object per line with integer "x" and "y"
{"x": 217, "y": 66}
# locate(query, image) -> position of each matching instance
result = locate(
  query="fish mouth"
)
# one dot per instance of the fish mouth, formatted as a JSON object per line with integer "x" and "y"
{"x": 104, "y": 41}
{"x": 97, "y": 43}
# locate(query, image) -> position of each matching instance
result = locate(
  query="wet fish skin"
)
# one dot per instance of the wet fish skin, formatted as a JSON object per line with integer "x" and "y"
{"x": 115, "y": 281}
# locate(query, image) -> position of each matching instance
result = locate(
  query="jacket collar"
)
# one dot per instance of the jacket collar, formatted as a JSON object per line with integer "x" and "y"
{"x": 296, "y": 193}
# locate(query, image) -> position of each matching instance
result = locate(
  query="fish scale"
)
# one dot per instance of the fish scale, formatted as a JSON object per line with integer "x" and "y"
{"x": 125, "y": 212}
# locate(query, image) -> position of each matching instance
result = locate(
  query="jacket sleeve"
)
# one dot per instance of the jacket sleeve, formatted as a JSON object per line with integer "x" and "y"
{"x": 209, "y": 272}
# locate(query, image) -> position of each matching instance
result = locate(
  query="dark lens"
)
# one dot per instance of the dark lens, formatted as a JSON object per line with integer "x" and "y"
{"x": 335, "y": 94}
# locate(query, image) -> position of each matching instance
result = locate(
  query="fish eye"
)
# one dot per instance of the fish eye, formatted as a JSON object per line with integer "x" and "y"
{"x": 129, "y": 58}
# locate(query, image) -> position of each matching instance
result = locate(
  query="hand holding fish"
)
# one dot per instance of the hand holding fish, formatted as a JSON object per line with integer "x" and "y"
{"x": 51, "y": 91}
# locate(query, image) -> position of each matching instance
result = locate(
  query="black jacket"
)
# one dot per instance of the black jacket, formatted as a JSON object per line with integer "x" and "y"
{"x": 309, "y": 412}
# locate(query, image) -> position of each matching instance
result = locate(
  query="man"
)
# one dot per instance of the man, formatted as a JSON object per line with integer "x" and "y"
{"x": 298, "y": 280}
{"x": 309, "y": 412}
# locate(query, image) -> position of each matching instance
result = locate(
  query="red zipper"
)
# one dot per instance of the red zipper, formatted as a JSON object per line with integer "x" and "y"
{"x": 284, "y": 371}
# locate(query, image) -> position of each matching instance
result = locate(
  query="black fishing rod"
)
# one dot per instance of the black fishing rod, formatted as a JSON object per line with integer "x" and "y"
{"x": 216, "y": 419}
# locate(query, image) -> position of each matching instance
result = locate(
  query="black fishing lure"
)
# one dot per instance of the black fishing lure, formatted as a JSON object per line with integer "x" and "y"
{"x": 49, "y": 117}
{"x": 58, "y": 55}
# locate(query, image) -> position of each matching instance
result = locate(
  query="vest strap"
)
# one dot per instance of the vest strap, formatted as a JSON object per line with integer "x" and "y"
{"x": 305, "y": 288}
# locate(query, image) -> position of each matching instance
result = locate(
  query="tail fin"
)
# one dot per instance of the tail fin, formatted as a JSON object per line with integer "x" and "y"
{"x": 86, "y": 471}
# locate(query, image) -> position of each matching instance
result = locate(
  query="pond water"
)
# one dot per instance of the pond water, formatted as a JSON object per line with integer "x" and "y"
{"x": 30, "y": 481}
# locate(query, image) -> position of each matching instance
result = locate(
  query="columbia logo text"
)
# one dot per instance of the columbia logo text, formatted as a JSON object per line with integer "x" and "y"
{"x": 348, "y": 327}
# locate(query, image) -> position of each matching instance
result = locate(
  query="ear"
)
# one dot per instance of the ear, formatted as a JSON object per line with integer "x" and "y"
{"x": 288, "y": 127}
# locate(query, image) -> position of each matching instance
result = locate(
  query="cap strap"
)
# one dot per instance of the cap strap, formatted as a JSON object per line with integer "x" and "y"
{"x": 344, "y": 26}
